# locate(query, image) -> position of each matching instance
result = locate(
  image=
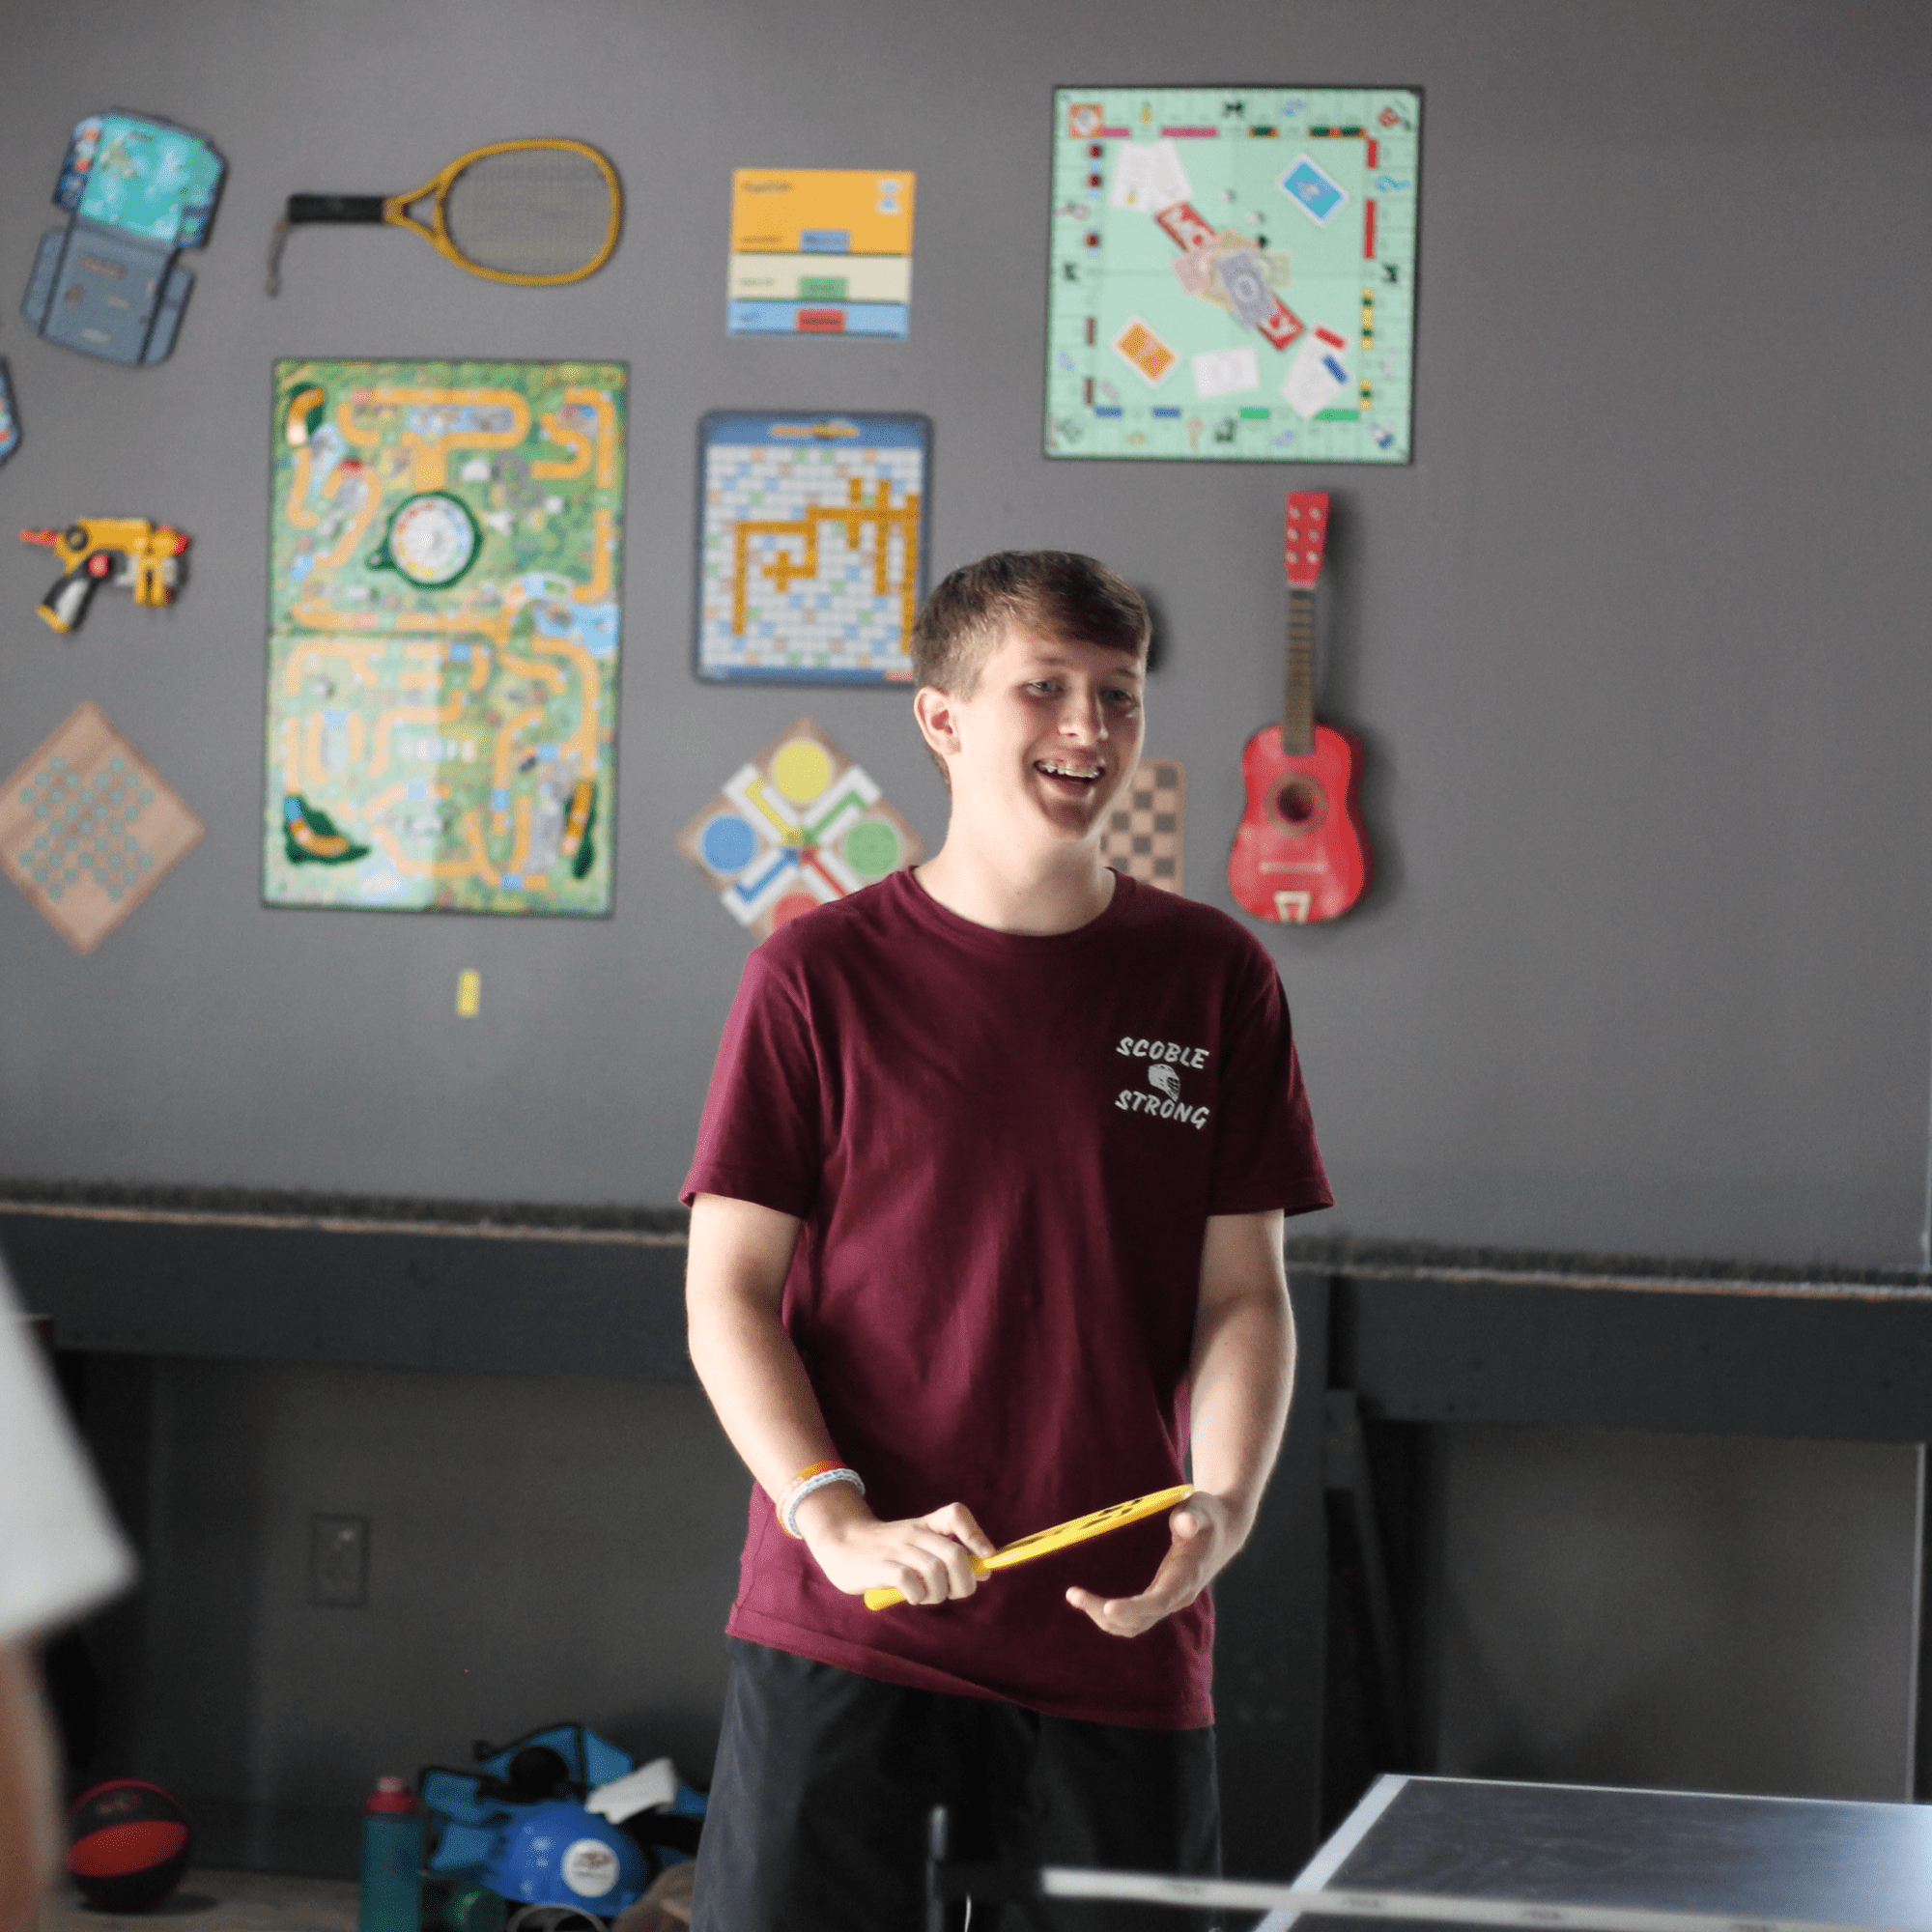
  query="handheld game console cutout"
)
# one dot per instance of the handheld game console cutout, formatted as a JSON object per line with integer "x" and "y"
{"x": 10, "y": 421}
{"x": 137, "y": 192}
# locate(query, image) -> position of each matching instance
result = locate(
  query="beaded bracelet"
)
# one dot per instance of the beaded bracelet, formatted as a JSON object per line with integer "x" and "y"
{"x": 816, "y": 1477}
{"x": 784, "y": 1495}
{"x": 809, "y": 1471}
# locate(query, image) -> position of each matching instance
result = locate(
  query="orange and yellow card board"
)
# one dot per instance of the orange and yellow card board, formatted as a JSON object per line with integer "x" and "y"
{"x": 821, "y": 251}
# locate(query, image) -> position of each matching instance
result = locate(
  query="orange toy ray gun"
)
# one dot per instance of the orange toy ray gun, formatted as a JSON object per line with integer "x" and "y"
{"x": 1044, "y": 1542}
{"x": 124, "y": 550}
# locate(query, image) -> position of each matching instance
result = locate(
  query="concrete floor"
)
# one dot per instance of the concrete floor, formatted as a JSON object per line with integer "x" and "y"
{"x": 223, "y": 1901}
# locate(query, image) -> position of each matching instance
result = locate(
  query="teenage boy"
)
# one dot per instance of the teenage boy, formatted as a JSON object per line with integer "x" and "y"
{"x": 985, "y": 1234}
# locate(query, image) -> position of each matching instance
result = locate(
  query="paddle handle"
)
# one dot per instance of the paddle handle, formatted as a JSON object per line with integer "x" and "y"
{"x": 884, "y": 1599}
{"x": 1061, "y": 1536}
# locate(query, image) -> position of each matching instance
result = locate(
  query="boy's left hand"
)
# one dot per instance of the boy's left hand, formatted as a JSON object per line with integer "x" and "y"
{"x": 1205, "y": 1539}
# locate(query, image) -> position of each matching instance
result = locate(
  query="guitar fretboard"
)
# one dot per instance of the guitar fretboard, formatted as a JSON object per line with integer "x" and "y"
{"x": 1298, "y": 711}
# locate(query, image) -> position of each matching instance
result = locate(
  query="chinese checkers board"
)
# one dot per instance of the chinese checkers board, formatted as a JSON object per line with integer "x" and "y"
{"x": 820, "y": 252}
{"x": 798, "y": 826}
{"x": 443, "y": 630}
{"x": 1233, "y": 273}
{"x": 810, "y": 546}
{"x": 88, "y": 829}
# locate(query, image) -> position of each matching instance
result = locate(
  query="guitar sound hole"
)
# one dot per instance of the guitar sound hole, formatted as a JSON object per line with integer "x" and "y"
{"x": 1301, "y": 805}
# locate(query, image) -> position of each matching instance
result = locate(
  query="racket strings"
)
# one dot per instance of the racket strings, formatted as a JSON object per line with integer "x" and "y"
{"x": 539, "y": 211}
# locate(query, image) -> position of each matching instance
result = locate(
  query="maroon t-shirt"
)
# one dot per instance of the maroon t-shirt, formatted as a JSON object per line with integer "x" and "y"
{"x": 1004, "y": 1150}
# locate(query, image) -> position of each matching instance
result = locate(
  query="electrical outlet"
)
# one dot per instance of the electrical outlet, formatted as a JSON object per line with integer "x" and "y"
{"x": 339, "y": 1561}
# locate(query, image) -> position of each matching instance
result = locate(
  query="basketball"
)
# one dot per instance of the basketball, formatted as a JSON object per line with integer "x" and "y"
{"x": 128, "y": 1845}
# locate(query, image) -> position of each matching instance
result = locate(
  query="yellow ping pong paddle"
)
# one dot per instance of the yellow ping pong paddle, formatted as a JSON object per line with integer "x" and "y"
{"x": 1044, "y": 1542}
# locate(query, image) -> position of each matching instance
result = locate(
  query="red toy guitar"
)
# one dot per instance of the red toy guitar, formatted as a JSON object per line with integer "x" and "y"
{"x": 1301, "y": 853}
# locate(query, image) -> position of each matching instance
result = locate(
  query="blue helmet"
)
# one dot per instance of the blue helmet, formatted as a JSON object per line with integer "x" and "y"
{"x": 559, "y": 1853}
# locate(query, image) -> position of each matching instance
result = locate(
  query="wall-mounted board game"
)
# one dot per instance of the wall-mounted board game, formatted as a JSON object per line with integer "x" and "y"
{"x": 88, "y": 827}
{"x": 1146, "y": 834}
{"x": 795, "y": 827}
{"x": 820, "y": 252}
{"x": 443, "y": 630}
{"x": 810, "y": 546}
{"x": 1231, "y": 272}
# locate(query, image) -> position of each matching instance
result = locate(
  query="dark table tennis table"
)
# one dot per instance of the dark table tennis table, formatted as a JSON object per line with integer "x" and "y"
{"x": 1761, "y": 1861}
{"x": 1461, "y": 1851}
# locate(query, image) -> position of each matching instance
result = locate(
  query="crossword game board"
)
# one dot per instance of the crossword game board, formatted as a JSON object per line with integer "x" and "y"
{"x": 811, "y": 547}
{"x": 444, "y": 629}
{"x": 88, "y": 829}
{"x": 1146, "y": 832}
{"x": 797, "y": 826}
{"x": 1232, "y": 273}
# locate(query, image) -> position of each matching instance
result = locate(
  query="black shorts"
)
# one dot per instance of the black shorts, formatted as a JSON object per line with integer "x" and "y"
{"x": 825, "y": 1782}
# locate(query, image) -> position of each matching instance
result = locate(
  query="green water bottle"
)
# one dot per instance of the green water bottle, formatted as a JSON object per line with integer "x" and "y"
{"x": 391, "y": 1859}
{"x": 473, "y": 1907}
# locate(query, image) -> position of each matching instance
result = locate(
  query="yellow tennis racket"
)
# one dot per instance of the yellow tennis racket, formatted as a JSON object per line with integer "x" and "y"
{"x": 1044, "y": 1542}
{"x": 535, "y": 213}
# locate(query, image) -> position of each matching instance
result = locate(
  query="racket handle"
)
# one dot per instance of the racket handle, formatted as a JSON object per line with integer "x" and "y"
{"x": 884, "y": 1599}
{"x": 335, "y": 208}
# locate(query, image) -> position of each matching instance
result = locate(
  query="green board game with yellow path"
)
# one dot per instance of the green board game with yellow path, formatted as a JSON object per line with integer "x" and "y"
{"x": 444, "y": 635}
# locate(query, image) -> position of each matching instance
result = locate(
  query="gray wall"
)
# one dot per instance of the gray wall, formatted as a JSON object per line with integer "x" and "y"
{"x": 1691, "y": 1612}
{"x": 1636, "y": 643}
{"x": 540, "y": 1549}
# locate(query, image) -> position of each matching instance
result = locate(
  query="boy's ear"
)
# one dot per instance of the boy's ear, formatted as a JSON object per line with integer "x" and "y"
{"x": 933, "y": 709}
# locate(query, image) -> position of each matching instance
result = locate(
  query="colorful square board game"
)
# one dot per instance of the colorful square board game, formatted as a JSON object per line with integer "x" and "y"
{"x": 1146, "y": 834}
{"x": 1232, "y": 273}
{"x": 810, "y": 546}
{"x": 820, "y": 252}
{"x": 443, "y": 630}
{"x": 798, "y": 826}
{"x": 88, "y": 827}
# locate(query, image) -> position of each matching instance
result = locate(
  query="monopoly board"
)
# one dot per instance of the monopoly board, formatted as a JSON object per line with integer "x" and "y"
{"x": 444, "y": 632}
{"x": 810, "y": 547}
{"x": 1232, "y": 273}
{"x": 795, "y": 827}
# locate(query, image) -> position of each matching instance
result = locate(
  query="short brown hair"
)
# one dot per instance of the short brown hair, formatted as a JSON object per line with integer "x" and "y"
{"x": 1042, "y": 593}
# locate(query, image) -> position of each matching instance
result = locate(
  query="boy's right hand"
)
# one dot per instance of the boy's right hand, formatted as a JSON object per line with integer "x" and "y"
{"x": 928, "y": 1558}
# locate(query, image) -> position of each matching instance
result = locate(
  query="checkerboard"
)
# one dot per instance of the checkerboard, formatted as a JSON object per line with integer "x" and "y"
{"x": 1145, "y": 836}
